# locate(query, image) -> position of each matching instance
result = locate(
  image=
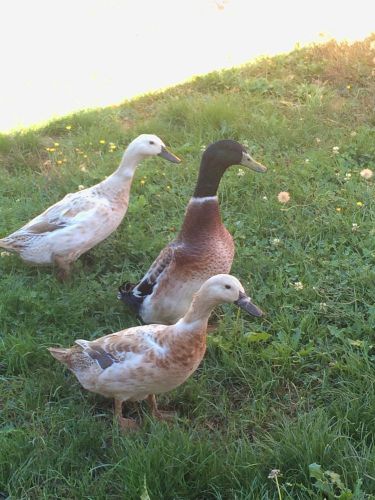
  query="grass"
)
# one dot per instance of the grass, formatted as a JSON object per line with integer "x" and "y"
{"x": 294, "y": 391}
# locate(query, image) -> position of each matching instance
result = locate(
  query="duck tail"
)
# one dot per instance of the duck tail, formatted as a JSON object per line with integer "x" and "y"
{"x": 4, "y": 244}
{"x": 127, "y": 296}
{"x": 61, "y": 354}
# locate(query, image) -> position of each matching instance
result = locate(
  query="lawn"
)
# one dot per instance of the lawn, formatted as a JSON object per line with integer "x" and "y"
{"x": 290, "y": 390}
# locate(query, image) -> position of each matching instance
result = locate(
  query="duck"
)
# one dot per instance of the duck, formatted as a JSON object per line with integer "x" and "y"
{"x": 81, "y": 220}
{"x": 203, "y": 247}
{"x": 143, "y": 361}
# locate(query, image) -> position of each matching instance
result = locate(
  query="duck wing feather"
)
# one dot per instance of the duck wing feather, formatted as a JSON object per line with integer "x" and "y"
{"x": 134, "y": 295}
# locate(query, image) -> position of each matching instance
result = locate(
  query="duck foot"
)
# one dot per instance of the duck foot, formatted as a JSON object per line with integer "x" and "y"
{"x": 126, "y": 424}
{"x": 63, "y": 268}
{"x": 160, "y": 415}
{"x": 212, "y": 327}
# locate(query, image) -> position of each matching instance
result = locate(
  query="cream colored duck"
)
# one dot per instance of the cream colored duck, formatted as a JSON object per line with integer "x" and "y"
{"x": 202, "y": 249}
{"x": 137, "y": 363}
{"x": 83, "y": 219}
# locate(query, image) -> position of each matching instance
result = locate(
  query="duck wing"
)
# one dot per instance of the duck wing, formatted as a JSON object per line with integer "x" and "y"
{"x": 124, "y": 346}
{"x": 134, "y": 295}
{"x": 63, "y": 213}
{"x": 70, "y": 210}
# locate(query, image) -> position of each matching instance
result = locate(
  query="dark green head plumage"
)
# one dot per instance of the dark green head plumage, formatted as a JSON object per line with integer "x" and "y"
{"x": 216, "y": 159}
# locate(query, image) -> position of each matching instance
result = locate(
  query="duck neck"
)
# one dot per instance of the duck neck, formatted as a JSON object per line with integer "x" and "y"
{"x": 202, "y": 216}
{"x": 210, "y": 173}
{"x": 200, "y": 309}
{"x": 121, "y": 179}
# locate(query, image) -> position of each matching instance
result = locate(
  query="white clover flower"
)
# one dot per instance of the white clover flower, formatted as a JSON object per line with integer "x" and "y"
{"x": 276, "y": 242}
{"x": 307, "y": 160}
{"x": 274, "y": 473}
{"x": 335, "y": 150}
{"x": 298, "y": 285}
{"x": 366, "y": 173}
{"x": 283, "y": 197}
{"x": 318, "y": 140}
{"x": 240, "y": 172}
{"x": 264, "y": 198}
{"x": 323, "y": 306}
{"x": 355, "y": 227}
{"x": 80, "y": 187}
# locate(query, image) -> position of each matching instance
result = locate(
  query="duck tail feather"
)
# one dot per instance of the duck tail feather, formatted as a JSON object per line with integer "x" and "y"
{"x": 61, "y": 354}
{"x": 127, "y": 296}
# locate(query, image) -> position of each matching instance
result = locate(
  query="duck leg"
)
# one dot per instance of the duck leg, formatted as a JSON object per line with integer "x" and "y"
{"x": 126, "y": 424}
{"x": 63, "y": 267}
{"x": 160, "y": 415}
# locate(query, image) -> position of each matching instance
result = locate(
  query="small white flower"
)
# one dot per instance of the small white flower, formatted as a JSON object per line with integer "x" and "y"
{"x": 264, "y": 198}
{"x": 80, "y": 187}
{"x": 318, "y": 140}
{"x": 353, "y": 133}
{"x": 335, "y": 149}
{"x": 5, "y": 254}
{"x": 240, "y": 172}
{"x": 274, "y": 473}
{"x": 203, "y": 147}
{"x": 354, "y": 227}
{"x": 323, "y": 306}
{"x": 307, "y": 160}
{"x": 276, "y": 242}
{"x": 298, "y": 285}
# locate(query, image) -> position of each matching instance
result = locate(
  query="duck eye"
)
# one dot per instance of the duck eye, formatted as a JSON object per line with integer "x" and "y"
{"x": 228, "y": 287}
{"x": 151, "y": 142}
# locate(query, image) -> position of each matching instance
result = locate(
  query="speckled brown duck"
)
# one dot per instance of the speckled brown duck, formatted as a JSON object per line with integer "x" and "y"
{"x": 203, "y": 248}
{"x": 137, "y": 363}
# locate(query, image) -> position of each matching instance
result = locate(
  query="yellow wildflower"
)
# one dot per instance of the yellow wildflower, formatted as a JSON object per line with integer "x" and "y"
{"x": 359, "y": 204}
{"x": 56, "y": 144}
{"x": 68, "y": 127}
{"x": 102, "y": 141}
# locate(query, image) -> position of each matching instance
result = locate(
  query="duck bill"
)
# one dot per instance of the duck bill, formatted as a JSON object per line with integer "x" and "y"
{"x": 167, "y": 155}
{"x": 244, "y": 302}
{"x": 249, "y": 162}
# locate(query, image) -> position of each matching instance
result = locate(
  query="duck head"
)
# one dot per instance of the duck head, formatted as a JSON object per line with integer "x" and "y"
{"x": 224, "y": 288}
{"x": 151, "y": 145}
{"x": 216, "y": 159}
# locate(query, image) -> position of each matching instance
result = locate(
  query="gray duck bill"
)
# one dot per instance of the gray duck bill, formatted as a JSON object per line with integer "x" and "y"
{"x": 167, "y": 155}
{"x": 245, "y": 303}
